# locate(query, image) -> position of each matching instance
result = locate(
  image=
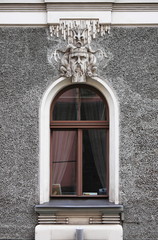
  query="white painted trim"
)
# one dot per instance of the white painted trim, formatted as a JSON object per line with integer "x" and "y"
{"x": 98, "y": 1}
{"x": 22, "y": 1}
{"x": 40, "y": 18}
{"x": 103, "y": 16}
{"x": 67, "y": 232}
{"x": 45, "y": 14}
{"x": 47, "y": 99}
{"x": 76, "y": 1}
{"x": 22, "y": 18}
{"x": 135, "y": 18}
{"x": 136, "y": 1}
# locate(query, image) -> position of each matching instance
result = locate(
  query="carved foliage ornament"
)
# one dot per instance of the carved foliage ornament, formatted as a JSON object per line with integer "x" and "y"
{"x": 78, "y": 60}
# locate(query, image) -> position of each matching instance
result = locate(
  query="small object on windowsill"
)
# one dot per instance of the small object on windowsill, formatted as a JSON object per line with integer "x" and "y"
{"x": 90, "y": 193}
{"x": 102, "y": 191}
{"x": 56, "y": 189}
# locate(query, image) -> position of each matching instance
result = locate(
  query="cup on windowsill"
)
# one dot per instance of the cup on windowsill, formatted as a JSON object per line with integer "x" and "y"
{"x": 102, "y": 191}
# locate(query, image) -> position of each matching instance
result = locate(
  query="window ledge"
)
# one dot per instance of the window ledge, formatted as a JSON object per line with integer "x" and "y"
{"x": 78, "y": 204}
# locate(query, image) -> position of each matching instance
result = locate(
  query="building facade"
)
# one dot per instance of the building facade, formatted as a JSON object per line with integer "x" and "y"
{"x": 78, "y": 119}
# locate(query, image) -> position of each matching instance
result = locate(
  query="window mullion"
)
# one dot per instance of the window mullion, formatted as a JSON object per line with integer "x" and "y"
{"x": 79, "y": 164}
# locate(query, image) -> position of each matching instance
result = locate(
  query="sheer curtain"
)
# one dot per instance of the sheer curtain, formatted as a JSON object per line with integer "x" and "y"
{"x": 63, "y": 141}
{"x": 62, "y": 144}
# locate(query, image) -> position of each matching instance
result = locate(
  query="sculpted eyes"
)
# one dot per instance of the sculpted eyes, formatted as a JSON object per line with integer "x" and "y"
{"x": 76, "y": 38}
{"x": 82, "y": 57}
{"x": 74, "y": 58}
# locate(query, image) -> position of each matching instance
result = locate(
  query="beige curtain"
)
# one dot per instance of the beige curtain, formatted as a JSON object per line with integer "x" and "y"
{"x": 62, "y": 145}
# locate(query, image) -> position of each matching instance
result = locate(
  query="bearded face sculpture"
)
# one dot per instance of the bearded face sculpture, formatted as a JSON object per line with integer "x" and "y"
{"x": 78, "y": 60}
{"x": 78, "y": 63}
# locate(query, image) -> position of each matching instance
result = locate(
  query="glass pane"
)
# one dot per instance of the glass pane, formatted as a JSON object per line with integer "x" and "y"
{"x": 64, "y": 156}
{"x": 66, "y": 106}
{"x": 94, "y": 162}
{"x": 79, "y": 104}
{"x": 92, "y": 105}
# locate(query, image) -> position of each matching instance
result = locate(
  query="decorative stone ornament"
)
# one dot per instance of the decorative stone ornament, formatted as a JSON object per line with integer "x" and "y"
{"x": 78, "y": 60}
{"x": 66, "y": 28}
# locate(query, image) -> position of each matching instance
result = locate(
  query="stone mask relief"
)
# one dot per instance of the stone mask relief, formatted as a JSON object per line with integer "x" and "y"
{"x": 78, "y": 60}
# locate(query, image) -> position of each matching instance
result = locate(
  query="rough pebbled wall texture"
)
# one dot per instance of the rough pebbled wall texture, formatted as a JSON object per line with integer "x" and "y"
{"x": 25, "y": 73}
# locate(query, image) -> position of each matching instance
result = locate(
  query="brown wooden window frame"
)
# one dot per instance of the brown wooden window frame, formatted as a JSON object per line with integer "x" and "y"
{"x": 79, "y": 126}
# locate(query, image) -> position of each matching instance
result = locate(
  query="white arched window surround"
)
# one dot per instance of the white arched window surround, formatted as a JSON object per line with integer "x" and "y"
{"x": 47, "y": 99}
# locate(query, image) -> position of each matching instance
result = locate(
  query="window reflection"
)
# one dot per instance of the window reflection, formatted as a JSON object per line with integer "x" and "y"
{"x": 66, "y": 106}
{"x": 79, "y": 104}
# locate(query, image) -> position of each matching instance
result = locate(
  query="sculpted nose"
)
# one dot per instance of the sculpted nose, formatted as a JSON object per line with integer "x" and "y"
{"x": 78, "y": 60}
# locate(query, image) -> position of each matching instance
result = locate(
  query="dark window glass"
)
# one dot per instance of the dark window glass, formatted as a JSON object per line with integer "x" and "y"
{"x": 79, "y": 104}
{"x": 94, "y": 165}
{"x": 66, "y": 106}
{"x": 92, "y": 105}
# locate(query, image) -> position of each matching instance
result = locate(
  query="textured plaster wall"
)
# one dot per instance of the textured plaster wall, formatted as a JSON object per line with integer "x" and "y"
{"x": 26, "y": 71}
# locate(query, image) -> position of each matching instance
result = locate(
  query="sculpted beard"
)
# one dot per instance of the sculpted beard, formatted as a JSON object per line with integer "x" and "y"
{"x": 79, "y": 64}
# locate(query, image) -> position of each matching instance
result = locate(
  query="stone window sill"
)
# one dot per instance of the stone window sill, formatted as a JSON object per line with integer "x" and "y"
{"x": 102, "y": 205}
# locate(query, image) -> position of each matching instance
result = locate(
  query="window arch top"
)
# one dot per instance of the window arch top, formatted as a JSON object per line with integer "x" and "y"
{"x": 79, "y": 103}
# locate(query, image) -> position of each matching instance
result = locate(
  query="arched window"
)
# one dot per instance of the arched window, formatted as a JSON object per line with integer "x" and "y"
{"x": 79, "y": 124}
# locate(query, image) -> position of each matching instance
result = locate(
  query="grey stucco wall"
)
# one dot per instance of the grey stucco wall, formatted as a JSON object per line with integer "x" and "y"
{"x": 25, "y": 73}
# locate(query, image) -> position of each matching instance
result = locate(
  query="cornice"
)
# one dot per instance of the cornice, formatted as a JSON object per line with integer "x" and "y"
{"x": 21, "y": 1}
{"x": 22, "y": 7}
{"x": 49, "y": 12}
{"x": 135, "y": 7}
{"x": 79, "y": 7}
{"x": 77, "y": 1}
